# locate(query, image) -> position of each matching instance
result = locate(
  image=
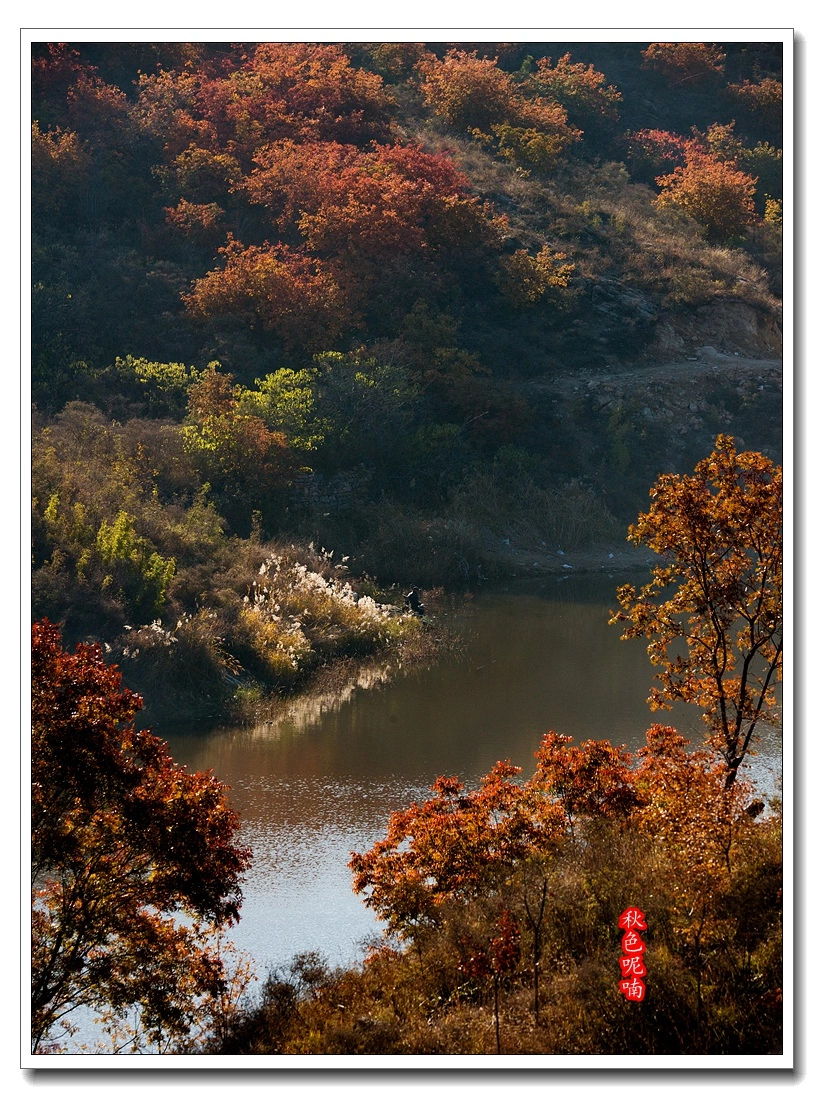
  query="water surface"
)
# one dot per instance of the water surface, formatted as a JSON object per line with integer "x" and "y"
{"x": 322, "y": 780}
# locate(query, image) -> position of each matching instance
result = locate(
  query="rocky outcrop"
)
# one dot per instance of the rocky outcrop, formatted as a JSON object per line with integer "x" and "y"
{"x": 730, "y": 327}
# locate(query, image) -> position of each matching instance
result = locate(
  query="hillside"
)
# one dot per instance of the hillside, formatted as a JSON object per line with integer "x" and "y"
{"x": 443, "y": 310}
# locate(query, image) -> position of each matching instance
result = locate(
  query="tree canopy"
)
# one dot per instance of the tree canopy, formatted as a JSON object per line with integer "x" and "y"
{"x": 713, "y": 612}
{"x": 135, "y": 861}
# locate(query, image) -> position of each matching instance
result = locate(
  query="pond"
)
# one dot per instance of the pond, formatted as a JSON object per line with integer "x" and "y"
{"x": 322, "y": 780}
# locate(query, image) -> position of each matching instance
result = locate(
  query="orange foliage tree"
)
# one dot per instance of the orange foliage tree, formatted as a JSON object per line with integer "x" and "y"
{"x": 274, "y": 288}
{"x": 321, "y": 91}
{"x": 713, "y": 192}
{"x": 500, "y": 841}
{"x": 395, "y": 61}
{"x": 454, "y": 846}
{"x": 700, "y": 821}
{"x": 201, "y": 174}
{"x": 580, "y": 88}
{"x": 525, "y": 278}
{"x": 60, "y": 170}
{"x": 763, "y": 98}
{"x": 473, "y": 93}
{"x": 712, "y": 613}
{"x": 467, "y": 91}
{"x": 123, "y": 843}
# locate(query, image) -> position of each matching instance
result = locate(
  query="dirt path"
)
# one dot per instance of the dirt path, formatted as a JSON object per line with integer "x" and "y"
{"x": 709, "y": 364}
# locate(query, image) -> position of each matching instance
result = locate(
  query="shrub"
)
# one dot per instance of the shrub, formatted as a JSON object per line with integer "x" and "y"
{"x": 136, "y": 572}
{"x": 474, "y": 94}
{"x": 712, "y": 192}
{"x": 764, "y": 98}
{"x": 235, "y": 452}
{"x": 526, "y": 278}
{"x": 162, "y": 386}
{"x": 274, "y": 288}
{"x": 285, "y": 401}
{"x": 580, "y": 88}
{"x": 529, "y": 148}
{"x": 182, "y": 667}
{"x": 684, "y": 64}
{"x": 509, "y": 502}
{"x": 293, "y": 618}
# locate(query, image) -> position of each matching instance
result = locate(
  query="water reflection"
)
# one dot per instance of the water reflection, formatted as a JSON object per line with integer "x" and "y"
{"x": 322, "y": 780}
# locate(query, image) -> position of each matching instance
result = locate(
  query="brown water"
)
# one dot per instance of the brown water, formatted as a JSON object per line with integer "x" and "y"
{"x": 321, "y": 781}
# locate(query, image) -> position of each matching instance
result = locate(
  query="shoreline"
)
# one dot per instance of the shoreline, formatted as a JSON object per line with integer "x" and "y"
{"x": 340, "y": 677}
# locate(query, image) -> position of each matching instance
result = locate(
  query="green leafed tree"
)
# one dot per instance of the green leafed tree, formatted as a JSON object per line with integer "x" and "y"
{"x": 284, "y": 400}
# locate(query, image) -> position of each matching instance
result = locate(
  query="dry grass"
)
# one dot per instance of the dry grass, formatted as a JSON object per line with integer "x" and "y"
{"x": 605, "y": 222}
{"x": 277, "y": 616}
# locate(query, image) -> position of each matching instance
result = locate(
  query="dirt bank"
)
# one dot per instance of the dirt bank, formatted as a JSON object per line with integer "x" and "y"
{"x": 683, "y": 394}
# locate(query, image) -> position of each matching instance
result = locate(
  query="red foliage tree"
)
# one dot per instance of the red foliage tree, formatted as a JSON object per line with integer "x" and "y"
{"x": 494, "y": 959}
{"x": 455, "y": 845}
{"x": 54, "y": 69}
{"x": 593, "y": 779}
{"x": 394, "y": 199}
{"x": 656, "y": 152}
{"x": 292, "y": 177}
{"x": 303, "y": 91}
{"x": 123, "y": 841}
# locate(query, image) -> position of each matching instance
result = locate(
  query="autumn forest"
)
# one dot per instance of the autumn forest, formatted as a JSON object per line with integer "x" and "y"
{"x": 315, "y": 324}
